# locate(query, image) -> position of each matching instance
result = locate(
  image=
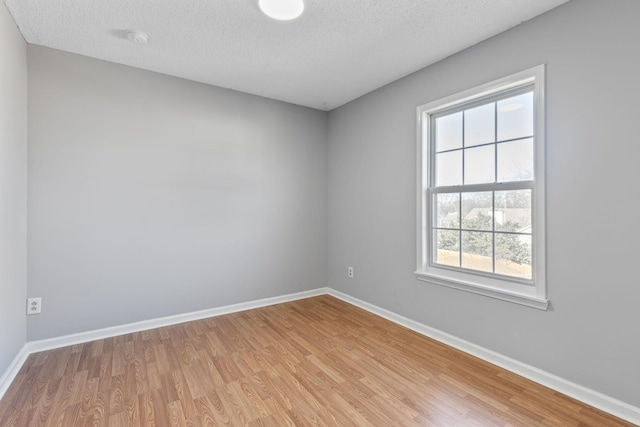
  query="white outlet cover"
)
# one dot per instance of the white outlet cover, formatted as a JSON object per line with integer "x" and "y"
{"x": 34, "y": 306}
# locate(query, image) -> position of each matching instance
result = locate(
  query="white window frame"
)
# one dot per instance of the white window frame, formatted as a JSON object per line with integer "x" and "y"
{"x": 532, "y": 293}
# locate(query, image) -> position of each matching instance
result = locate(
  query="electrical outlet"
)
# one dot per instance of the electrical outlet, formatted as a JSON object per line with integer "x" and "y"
{"x": 34, "y": 306}
{"x": 350, "y": 273}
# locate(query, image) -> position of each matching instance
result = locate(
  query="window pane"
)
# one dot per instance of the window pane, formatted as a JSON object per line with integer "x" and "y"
{"x": 447, "y": 210}
{"x": 513, "y": 255}
{"x": 515, "y": 117}
{"x": 479, "y": 125}
{"x": 515, "y": 160}
{"x": 513, "y": 211}
{"x": 449, "y": 168}
{"x": 477, "y": 211}
{"x": 448, "y": 247}
{"x": 479, "y": 165}
{"x": 477, "y": 250}
{"x": 449, "y": 132}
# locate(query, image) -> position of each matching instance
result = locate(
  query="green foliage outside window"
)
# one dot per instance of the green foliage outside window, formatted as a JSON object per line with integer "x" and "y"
{"x": 508, "y": 246}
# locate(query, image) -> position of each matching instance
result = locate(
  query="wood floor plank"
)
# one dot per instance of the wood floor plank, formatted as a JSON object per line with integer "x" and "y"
{"x": 146, "y": 409}
{"x": 312, "y": 362}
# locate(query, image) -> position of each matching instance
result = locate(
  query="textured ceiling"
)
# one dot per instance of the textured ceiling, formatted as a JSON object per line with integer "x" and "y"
{"x": 335, "y": 52}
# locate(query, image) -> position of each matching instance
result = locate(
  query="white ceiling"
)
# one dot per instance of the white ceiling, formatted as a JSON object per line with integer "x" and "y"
{"x": 335, "y": 52}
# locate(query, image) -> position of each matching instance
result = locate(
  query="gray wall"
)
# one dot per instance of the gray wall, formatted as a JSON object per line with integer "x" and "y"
{"x": 590, "y": 334}
{"x": 13, "y": 189}
{"x": 151, "y": 196}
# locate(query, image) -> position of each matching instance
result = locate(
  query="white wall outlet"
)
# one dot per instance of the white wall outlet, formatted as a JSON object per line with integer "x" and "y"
{"x": 34, "y": 306}
{"x": 350, "y": 273}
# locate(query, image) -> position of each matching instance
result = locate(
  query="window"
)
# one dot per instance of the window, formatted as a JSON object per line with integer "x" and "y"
{"x": 481, "y": 190}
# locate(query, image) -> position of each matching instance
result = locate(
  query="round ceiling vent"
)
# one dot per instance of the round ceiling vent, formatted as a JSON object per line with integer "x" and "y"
{"x": 137, "y": 37}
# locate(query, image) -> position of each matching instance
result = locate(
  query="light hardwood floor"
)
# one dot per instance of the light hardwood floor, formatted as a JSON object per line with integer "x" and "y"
{"x": 318, "y": 361}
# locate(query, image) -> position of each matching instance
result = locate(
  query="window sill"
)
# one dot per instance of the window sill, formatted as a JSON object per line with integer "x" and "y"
{"x": 528, "y": 299}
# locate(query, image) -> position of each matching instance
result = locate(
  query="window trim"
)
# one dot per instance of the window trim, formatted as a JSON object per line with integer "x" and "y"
{"x": 530, "y": 293}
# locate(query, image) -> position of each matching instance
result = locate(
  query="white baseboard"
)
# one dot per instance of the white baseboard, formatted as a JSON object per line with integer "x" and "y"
{"x": 82, "y": 337}
{"x": 591, "y": 397}
{"x": 12, "y": 371}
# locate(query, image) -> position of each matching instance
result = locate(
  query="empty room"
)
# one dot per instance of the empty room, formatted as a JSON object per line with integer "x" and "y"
{"x": 319, "y": 213}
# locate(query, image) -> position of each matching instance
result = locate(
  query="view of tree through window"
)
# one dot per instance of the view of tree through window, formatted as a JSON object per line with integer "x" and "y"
{"x": 481, "y": 200}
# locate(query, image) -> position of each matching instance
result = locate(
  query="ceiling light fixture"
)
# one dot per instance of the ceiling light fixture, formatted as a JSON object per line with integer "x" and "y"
{"x": 282, "y": 10}
{"x": 137, "y": 37}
